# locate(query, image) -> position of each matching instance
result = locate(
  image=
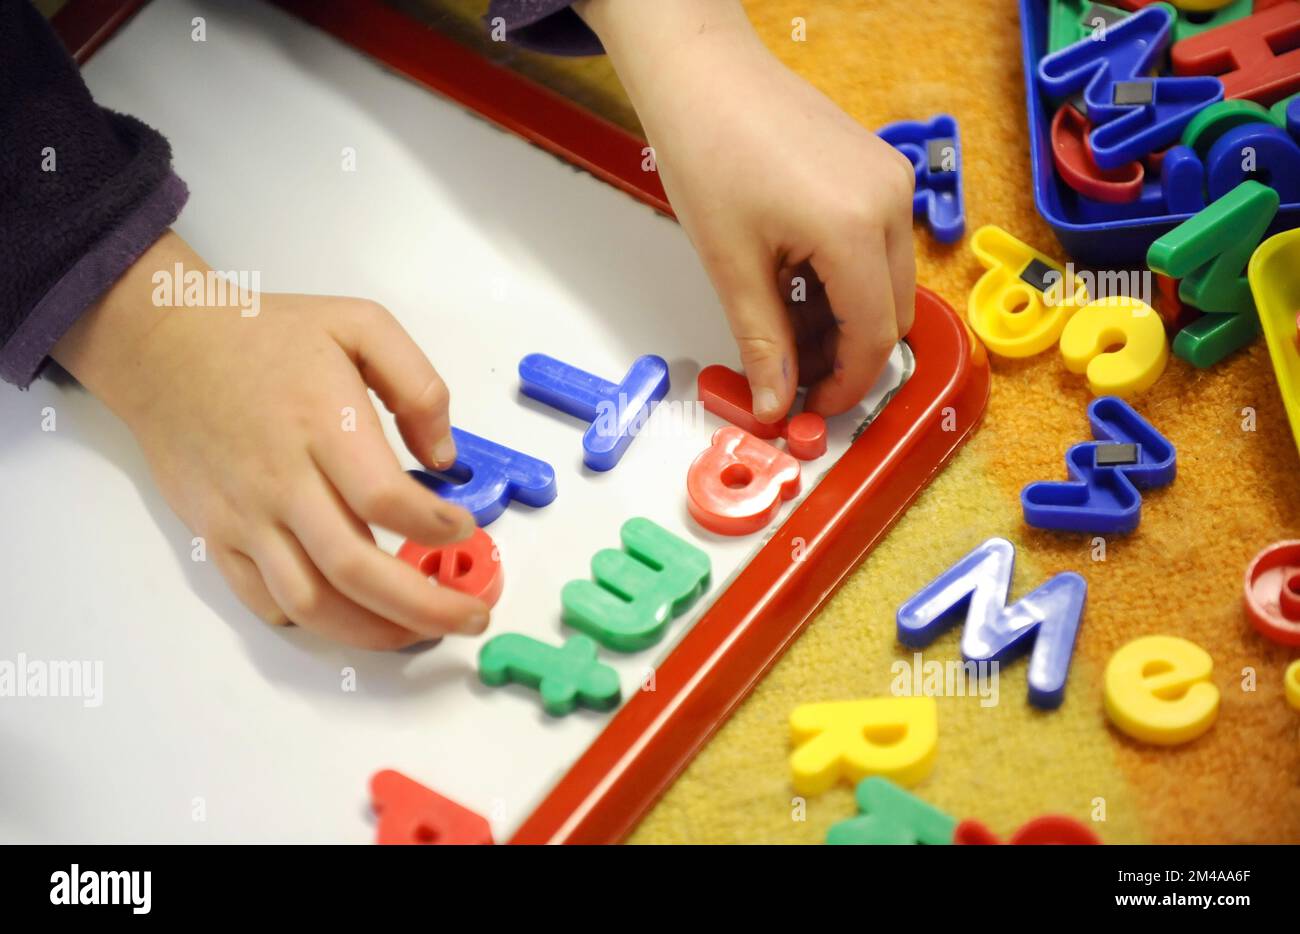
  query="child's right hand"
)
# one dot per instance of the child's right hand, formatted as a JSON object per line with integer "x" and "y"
{"x": 262, "y": 436}
{"x": 771, "y": 180}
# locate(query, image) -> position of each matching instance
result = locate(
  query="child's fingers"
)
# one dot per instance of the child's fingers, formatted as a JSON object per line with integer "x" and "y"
{"x": 363, "y": 469}
{"x": 245, "y": 580}
{"x": 308, "y": 599}
{"x": 761, "y": 326}
{"x": 858, "y": 283}
{"x": 896, "y": 200}
{"x": 401, "y": 375}
{"x": 379, "y": 582}
{"x": 902, "y": 271}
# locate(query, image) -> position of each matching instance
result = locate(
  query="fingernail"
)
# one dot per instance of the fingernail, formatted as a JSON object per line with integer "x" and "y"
{"x": 444, "y": 452}
{"x": 765, "y": 402}
{"x": 456, "y": 527}
{"x": 478, "y": 622}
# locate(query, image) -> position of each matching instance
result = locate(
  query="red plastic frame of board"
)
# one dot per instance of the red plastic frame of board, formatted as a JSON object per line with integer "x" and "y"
{"x": 725, "y": 654}
{"x": 768, "y": 604}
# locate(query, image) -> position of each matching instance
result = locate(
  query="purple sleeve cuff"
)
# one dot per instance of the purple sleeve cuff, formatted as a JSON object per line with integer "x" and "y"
{"x": 23, "y": 355}
{"x": 545, "y": 26}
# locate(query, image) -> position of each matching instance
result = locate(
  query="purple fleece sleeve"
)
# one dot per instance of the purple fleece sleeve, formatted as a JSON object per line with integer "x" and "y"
{"x": 546, "y": 26}
{"x": 83, "y": 192}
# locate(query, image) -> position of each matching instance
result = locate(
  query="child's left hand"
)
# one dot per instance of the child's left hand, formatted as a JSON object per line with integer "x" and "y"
{"x": 772, "y": 181}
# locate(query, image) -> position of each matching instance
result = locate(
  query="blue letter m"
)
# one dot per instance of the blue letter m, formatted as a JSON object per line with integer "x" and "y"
{"x": 976, "y": 589}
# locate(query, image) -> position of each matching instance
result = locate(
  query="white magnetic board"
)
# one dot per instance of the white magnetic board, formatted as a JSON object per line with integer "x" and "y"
{"x": 213, "y": 726}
